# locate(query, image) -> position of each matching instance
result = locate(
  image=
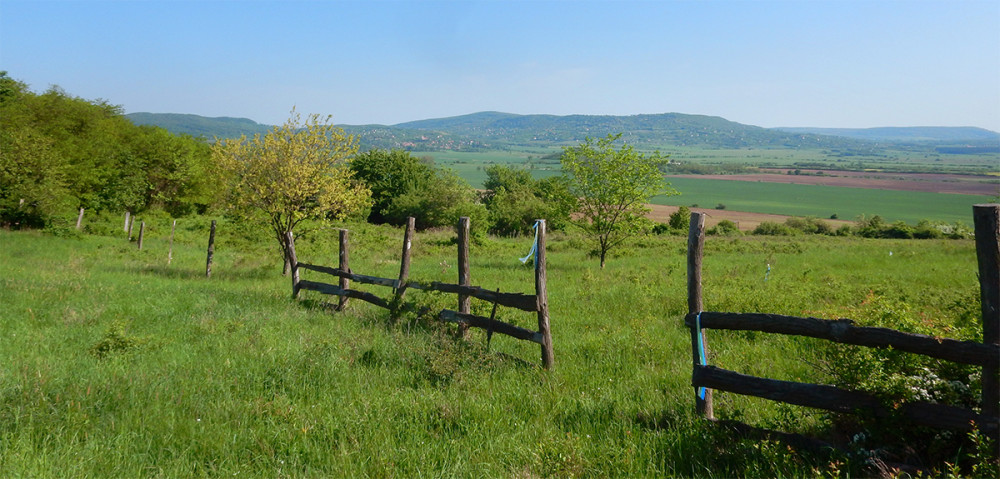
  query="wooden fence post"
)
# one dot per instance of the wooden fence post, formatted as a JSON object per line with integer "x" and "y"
{"x": 293, "y": 260}
{"x": 987, "y": 228}
{"x": 345, "y": 267}
{"x": 79, "y": 218}
{"x": 170, "y": 250}
{"x": 699, "y": 345}
{"x": 404, "y": 266}
{"x": 125, "y": 227}
{"x": 542, "y": 299}
{"x": 142, "y": 233}
{"x": 464, "y": 301}
{"x": 131, "y": 223}
{"x": 211, "y": 251}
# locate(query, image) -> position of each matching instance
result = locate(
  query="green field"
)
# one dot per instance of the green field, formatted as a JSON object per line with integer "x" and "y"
{"x": 822, "y": 201}
{"x": 115, "y": 364}
{"x": 756, "y": 197}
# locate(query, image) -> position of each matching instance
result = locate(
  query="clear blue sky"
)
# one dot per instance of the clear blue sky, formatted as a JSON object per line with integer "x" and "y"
{"x": 847, "y": 63}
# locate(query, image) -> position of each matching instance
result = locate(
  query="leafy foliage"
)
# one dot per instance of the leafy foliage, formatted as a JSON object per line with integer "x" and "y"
{"x": 296, "y": 172}
{"x": 59, "y": 152}
{"x": 898, "y": 377}
{"x": 613, "y": 186}
{"x": 515, "y": 200}
{"x": 680, "y": 219}
{"x": 403, "y": 185}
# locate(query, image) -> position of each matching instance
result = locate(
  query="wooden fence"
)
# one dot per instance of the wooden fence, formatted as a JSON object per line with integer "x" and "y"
{"x": 987, "y": 355}
{"x": 537, "y": 303}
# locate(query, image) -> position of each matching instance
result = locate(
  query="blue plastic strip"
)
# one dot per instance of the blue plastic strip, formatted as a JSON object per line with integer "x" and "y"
{"x": 534, "y": 245}
{"x": 701, "y": 351}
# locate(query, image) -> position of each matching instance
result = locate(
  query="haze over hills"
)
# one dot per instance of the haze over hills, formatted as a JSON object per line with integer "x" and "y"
{"x": 914, "y": 133}
{"x": 492, "y": 131}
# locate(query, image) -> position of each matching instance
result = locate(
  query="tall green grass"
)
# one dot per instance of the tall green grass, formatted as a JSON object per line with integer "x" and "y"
{"x": 113, "y": 363}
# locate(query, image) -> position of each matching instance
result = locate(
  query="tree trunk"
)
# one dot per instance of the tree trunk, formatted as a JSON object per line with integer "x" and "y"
{"x": 283, "y": 243}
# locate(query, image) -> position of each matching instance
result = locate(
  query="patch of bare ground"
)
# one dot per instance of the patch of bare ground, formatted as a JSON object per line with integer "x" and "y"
{"x": 744, "y": 221}
{"x": 927, "y": 182}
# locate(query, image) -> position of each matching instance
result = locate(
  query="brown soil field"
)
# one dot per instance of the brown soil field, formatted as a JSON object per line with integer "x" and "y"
{"x": 745, "y": 221}
{"x": 929, "y": 182}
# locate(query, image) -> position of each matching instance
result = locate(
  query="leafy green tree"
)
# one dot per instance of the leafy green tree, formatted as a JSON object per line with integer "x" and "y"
{"x": 389, "y": 174}
{"x": 613, "y": 186}
{"x": 441, "y": 201}
{"x": 680, "y": 219}
{"x": 62, "y": 152}
{"x": 515, "y": 200}
{"x": 403, "y": 185}
{"x": 295, "y": 172}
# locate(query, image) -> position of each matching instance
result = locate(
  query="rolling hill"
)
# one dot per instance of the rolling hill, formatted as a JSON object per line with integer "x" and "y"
{"x": 496, "y": 131}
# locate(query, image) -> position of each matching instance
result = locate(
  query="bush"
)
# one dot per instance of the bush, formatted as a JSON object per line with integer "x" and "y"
{"x": 662, "y": 229}
{"x": 680, "y": 219}
{"x": 897, "y": 378}
{"x": 403, "y": 185}
{"x": 809, "y": 225}
{"x": 770, "y": 228}
{"x": 898, "y": 230}
{"x": 515, "y": 200}
{"x": 725, "y": 228}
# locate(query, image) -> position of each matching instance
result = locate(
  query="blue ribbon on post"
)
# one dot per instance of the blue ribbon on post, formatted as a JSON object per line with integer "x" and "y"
{"x": 534, "y": 246}
{"x": 701, "y": 352}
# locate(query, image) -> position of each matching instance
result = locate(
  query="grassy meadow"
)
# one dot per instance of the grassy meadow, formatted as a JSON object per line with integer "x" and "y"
{"x": 115, "y": 363}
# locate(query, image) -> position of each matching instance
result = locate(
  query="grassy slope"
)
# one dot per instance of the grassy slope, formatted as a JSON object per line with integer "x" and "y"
{"x": 228, "y": 376}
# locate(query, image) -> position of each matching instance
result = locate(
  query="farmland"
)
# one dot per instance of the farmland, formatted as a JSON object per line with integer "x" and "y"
{"x": 820, "y": 201}
{"x": 894, "y": 196}
{"x": 118, "y": 364}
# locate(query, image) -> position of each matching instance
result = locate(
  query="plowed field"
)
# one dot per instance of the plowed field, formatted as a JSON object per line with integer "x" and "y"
{"x": 928, "y": 182}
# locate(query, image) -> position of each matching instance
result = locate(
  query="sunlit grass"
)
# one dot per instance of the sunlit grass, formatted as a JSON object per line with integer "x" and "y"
{"x": 229, "y": 376}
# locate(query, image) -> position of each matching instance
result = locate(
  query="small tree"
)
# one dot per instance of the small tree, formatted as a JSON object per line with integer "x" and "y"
{"x": 293, "y": 173}
{"x": 613, "y": 187}
{"x": 680, "y": 219}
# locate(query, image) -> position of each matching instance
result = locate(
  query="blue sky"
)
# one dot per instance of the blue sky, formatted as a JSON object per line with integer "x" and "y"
{"x": 822, "y": 63}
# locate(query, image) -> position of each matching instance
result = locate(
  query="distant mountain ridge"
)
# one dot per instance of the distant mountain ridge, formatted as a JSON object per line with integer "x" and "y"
{"x": 199, "y": 126}
{"x": 489, "y": 131}
{"x": 912, "y": 133}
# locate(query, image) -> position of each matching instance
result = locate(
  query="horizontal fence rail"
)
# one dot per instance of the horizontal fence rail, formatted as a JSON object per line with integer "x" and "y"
{"x": 834, "y": 399}
{"x": 536, "y": 303}
{"x": 705, "y": 378}
{"x": 843, "y": 331}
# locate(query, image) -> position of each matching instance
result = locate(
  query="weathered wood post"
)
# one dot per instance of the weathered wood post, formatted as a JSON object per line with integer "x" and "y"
{"x": 79, "y": 218}
{"x": 131, "y": 223}
{"x": 404, "y": 267}
{"x": 142, "y": 233}
{"x": 345, "y": 267}
{"x": 542, "y": 299}
{"x": 125, "y": 227}
{"x": 211, "y": 251}
{"x": 293, "y": 260}
{"x": 987, "y": 228}
{"x": 170, "y": 250}
{"x": 464, "y": 301}
{"x": 699, "y": 346}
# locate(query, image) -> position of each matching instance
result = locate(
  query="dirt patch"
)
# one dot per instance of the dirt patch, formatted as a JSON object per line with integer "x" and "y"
{"x": 744, "y": 221}
{"x": 926, "y": 182}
